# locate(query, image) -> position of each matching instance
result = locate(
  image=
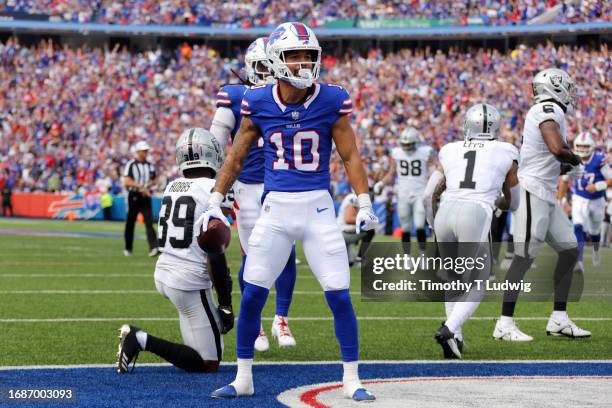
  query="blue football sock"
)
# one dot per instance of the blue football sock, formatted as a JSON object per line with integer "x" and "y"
{"x": 580, "y": 237}
{"x": 595, "y": 239}
{"x": 241, "y": 274}
{"x": 249, "y": 320}
{"x": 345, "y": 323}
{"x": 284, "y": 286}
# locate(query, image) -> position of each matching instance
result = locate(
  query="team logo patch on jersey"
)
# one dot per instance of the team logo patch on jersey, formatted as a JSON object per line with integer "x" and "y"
{"x": 295, "y": 115}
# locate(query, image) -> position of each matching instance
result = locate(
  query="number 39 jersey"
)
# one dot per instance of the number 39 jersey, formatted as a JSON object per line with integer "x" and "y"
{"x": 476, "y": 170}
{"x": 538, "y": 169}
{"x": 297, "y": 137}
{"x": 182, "y": 264}
{"x": 411, "y": 169}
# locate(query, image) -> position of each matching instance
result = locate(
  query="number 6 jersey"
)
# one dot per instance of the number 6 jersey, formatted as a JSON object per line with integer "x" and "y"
{"x": 538, "y": 169}
{"x": 411, "y": 169}
{"x": 476, "y": 170}
{"x": 182, "y": 264}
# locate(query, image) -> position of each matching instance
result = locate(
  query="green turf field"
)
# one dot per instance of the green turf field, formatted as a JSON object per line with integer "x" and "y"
{"x": 62, "y": 300}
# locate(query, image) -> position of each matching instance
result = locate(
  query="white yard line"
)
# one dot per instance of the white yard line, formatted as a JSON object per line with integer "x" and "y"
{"x": 297, "y": 318}
{"x": 121, "y": 292}
{"x": 324, "y": 362}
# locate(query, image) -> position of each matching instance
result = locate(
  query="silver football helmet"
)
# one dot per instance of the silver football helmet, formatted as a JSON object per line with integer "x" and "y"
{"x": 481, "y": 123}
{"x": 409, "y": 139}
{"x": 584, "y": 145}
{"x": 556, "y": 84}
{"x": 196, "y": 148}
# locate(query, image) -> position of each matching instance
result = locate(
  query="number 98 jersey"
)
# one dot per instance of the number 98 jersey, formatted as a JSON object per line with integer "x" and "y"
{"x": 476, "y": 170}
{"x": 182, "y": 264}
{"x": 411, "y": 169}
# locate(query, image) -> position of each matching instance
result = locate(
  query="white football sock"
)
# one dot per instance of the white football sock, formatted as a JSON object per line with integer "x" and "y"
{"x": 244, "y": 377}
{"x": 142, "y": 339}
{"x": 449, "y": 306}
{"x": 350, "y": 378}
{"x": 559, "y": 315}
{"x": 506, "y": 320}
{"x": 461, "y": 313}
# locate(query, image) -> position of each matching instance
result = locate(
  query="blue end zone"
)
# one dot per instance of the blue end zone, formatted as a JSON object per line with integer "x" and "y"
{"x": 165, "y": 386}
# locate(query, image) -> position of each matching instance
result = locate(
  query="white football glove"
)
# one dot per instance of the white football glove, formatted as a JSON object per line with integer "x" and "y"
{"x": 212, "y": 211}
{"x": 366, "y": 219}
{"x": 378, "y": 187}
{"x": 576, "y": 171}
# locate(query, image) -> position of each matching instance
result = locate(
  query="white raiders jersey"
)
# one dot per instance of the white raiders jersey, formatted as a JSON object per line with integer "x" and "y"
{"x": 182, "y": 264}
{"x": 539, "y": 170}
{"x": 476, "y": 170}
{"x": 412, "y": 171}
{"x": 349, "y": 200}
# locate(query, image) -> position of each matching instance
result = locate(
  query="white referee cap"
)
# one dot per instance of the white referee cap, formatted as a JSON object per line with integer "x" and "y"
{"x": 142, "y": 145}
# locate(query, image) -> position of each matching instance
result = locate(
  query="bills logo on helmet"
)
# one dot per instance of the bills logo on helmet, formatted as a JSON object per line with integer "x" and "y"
{"x": 301, "y": 31}
{"x": 276, "y": 35}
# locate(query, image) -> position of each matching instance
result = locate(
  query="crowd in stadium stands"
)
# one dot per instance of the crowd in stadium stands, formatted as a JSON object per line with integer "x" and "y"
{"x": 68, "y": 118}
{"x": 315, "y": 13}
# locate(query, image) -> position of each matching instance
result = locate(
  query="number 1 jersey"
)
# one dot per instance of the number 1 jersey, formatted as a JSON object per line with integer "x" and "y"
{"x": 182, "y": 264}
{"x": 297, "y": 137}
{"x": 476, "y": 170}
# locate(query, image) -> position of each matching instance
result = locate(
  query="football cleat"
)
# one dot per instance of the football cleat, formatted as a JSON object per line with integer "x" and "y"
{"x": 446, "y": 339}
{"x": 565, "y": 327}
{"x": 281, "y": 332}
{"x": 459, "y": 345}
{"x": 225, "y": 392}
{"x": 128, "y": 348}
{"x": 509, "y": 332}
{"x": 127, "y": 253}
{"x": 361, "y": 394}
{"x": 506, "y": 262}
{"x": 261, "y": 343}
{"x": 596, "y": 258}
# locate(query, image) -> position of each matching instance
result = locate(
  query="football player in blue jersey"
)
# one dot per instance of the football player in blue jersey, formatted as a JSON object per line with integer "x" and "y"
{"x": 299, "y": 120}
{"x": 248, "y": 187}
{"x": 589, "y": 196}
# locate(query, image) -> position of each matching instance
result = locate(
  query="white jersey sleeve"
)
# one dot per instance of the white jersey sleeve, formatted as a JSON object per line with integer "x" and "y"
{"x": 538, "y": 169}
{"x": 476, "y": 170}
{"x": 182, "y": 264}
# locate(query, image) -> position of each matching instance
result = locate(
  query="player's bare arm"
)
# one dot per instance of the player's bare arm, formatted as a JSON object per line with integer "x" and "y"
{"x": 551, "y": 133}
{"x": 344, "y": 138}
{"x": 509, "y": 201}
{"x": 246, "y": 136}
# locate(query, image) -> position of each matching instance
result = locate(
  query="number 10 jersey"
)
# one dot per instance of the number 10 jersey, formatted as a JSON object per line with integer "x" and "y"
{"x": 476, "y": 170}
{"x": 182, "y": 264}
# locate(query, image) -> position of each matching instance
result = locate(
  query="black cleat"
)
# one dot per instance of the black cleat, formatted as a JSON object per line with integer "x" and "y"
{"x": 460, "y": 345}
{"x": 128, "y": 348}
{"x": 446, "y": 339}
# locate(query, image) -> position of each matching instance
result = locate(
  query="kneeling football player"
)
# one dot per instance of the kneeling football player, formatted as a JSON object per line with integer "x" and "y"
{"x": 184, "y": 273}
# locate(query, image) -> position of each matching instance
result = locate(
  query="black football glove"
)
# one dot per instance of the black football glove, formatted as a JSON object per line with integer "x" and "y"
{"x": 227, "y": 318}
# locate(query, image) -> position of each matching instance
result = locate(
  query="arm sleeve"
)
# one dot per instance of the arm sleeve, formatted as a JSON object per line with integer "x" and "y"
{"x": 548, "y": 111}
{"x": 345, "y": 103}
{"x": 222, "y": 125}
{"x": 247, "y": 103}
{"x": 127, "y": 172}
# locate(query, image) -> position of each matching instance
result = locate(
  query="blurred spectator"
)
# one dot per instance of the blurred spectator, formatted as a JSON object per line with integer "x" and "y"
{"x": 7, "y": 206}
{"x": 74, "y": 134}
{"x": 240, "y": 14}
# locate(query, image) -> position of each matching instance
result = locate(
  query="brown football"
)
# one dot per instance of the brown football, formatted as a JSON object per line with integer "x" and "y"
{"x": 216, "y": 238}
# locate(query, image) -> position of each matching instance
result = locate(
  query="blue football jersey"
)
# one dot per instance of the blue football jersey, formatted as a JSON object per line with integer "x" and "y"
{"x": 297, "y": 137}
{"x": 230, "y": 96}
{"x": 592, "y": 174}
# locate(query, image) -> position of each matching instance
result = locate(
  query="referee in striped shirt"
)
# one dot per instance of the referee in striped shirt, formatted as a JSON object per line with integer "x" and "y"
{"x": 138, "y": 176}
